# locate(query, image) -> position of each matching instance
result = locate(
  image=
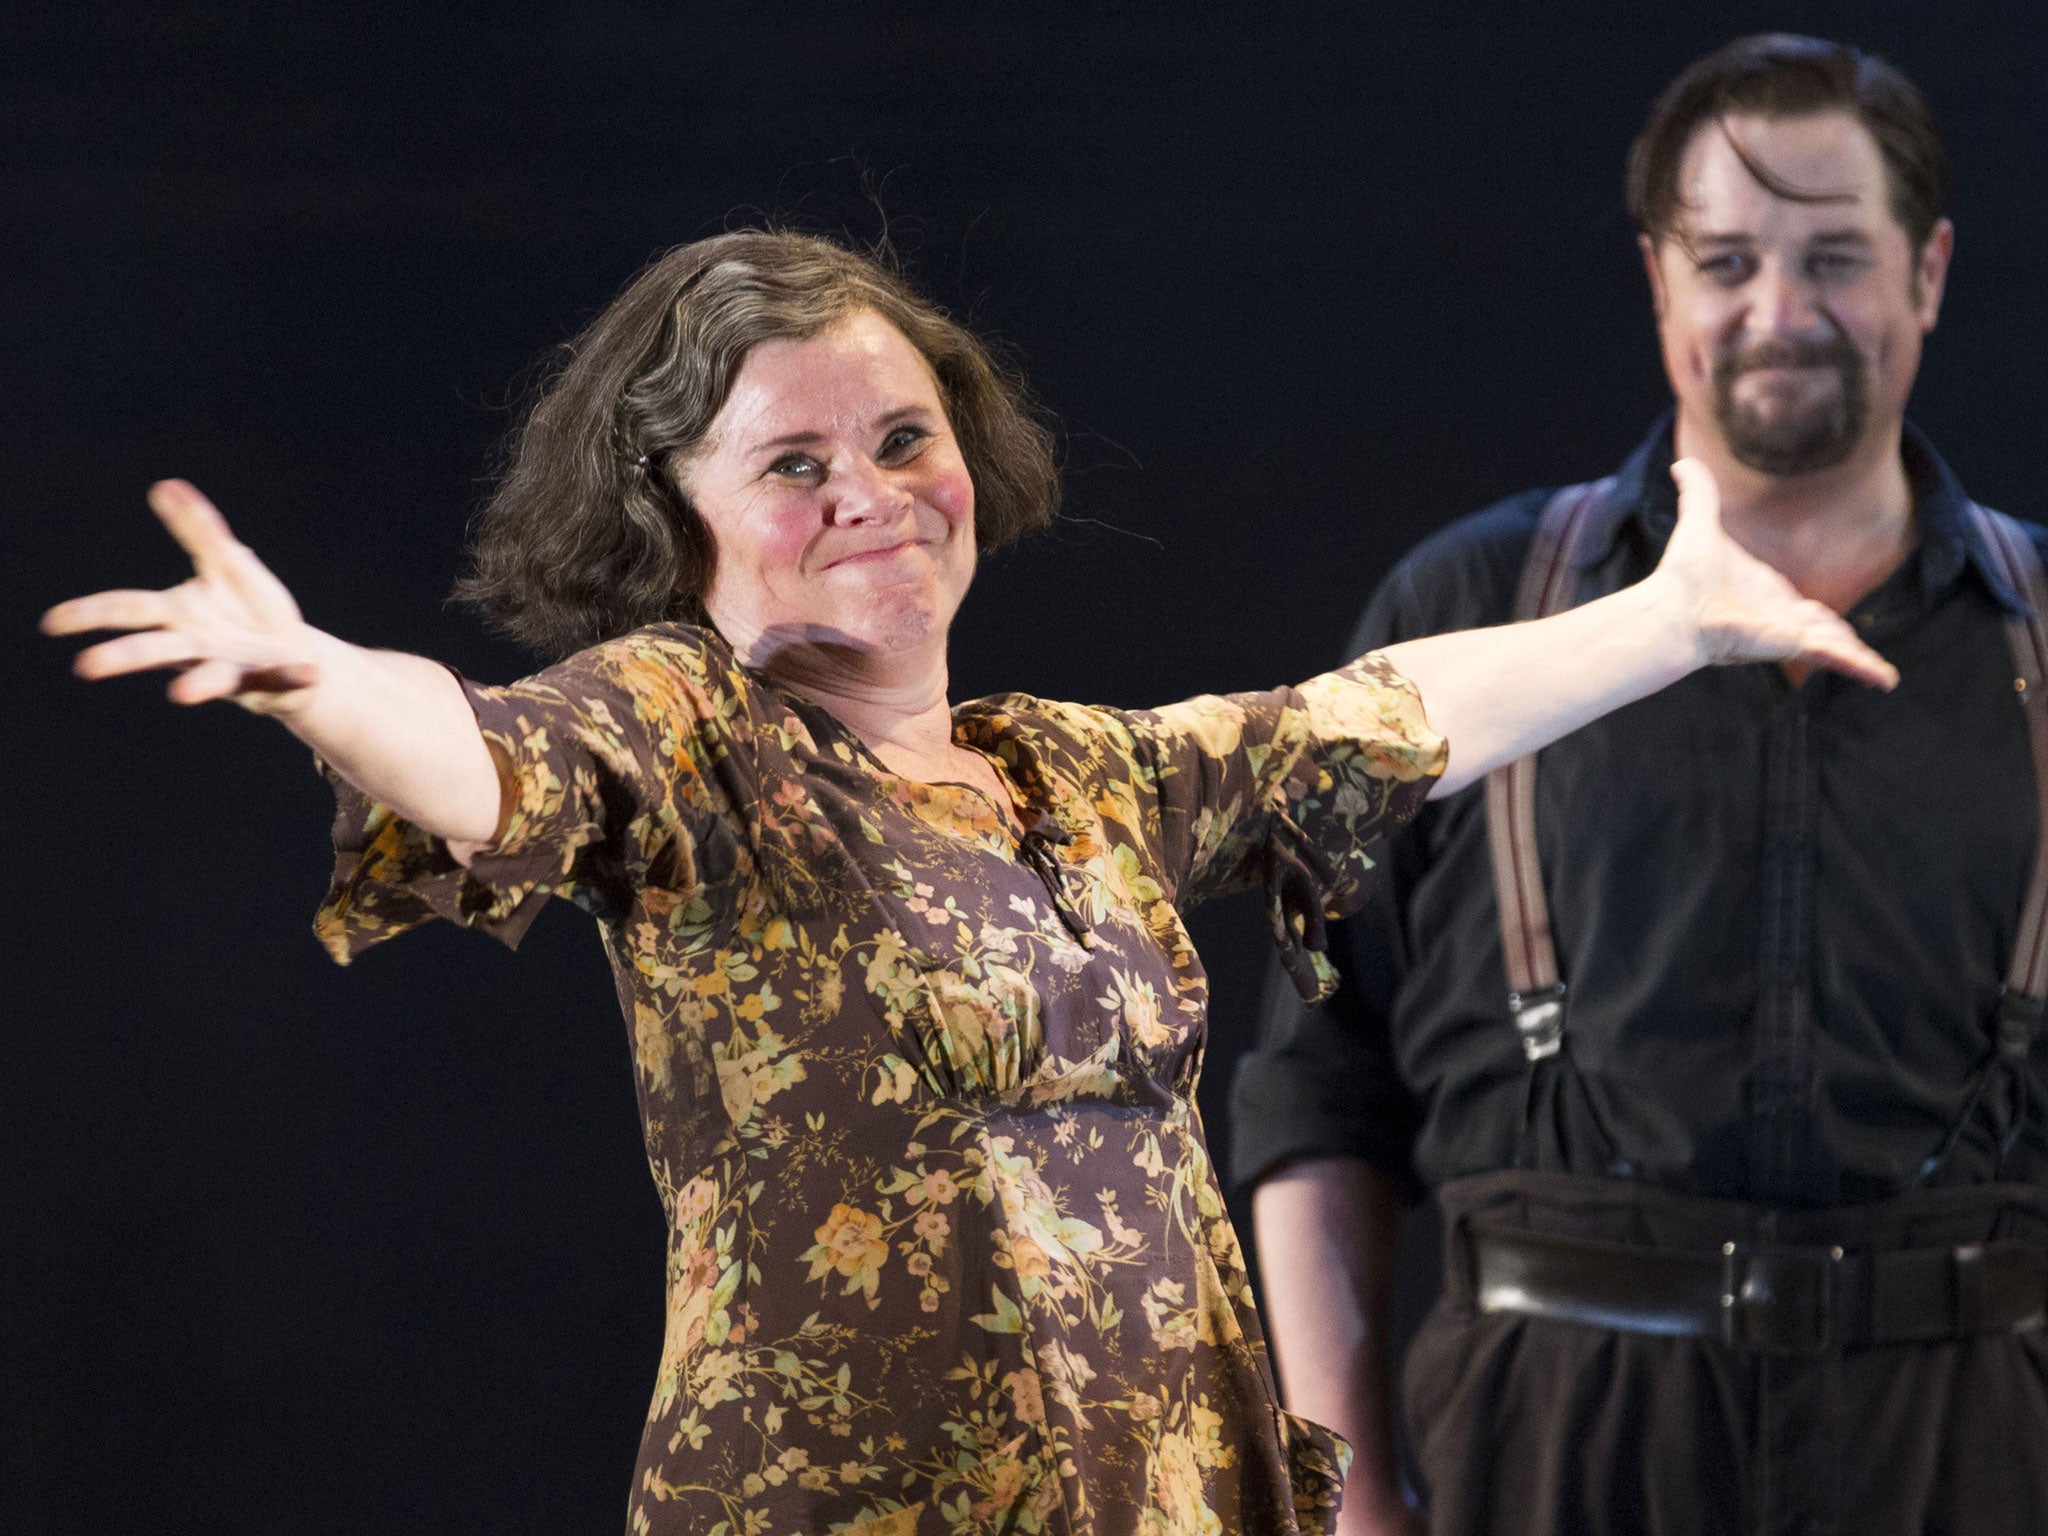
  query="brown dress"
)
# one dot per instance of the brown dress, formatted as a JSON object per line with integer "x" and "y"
{"x": 946, "y": 1251}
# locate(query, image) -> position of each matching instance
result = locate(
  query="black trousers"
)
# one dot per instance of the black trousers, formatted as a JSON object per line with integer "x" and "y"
{"x": 1526, "y": 1426}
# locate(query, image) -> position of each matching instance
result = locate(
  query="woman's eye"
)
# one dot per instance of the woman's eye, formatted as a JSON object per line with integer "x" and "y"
{"x": 797, "y": 466}
{"x": 903, "y": 443}
{"x": 1728, "y": 269}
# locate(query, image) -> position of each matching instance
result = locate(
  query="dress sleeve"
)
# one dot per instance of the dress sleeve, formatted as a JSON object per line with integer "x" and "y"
{"x": 610, "y": 764}
{"x": 1290, "y": 789}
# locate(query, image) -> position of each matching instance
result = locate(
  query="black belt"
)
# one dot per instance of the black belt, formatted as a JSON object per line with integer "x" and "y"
{"x": 1778, "y": 1300}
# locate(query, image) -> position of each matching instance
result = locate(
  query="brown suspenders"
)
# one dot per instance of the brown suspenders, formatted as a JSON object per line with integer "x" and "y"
{"x": 1549, "y": 584}
{"x": 2026, "y": 979}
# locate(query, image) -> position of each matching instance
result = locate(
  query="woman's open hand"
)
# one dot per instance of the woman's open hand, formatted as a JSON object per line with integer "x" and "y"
{"x": 232, "y": 631}
{"x": 1743, "y": 609}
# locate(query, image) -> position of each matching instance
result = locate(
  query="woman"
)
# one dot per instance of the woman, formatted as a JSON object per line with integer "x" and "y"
{"x": 915, "y": 1017}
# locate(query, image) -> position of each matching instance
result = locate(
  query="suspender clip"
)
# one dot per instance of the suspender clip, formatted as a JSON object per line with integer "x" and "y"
{"x": 1539, "y": 1020}
{"x": 2019, "y": 1024}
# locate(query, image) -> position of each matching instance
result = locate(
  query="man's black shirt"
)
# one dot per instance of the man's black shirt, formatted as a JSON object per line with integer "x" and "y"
{"x": 1783, "y": 914}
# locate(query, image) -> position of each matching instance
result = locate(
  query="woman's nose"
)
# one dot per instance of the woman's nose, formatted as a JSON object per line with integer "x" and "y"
{"x": 868, "y": 495}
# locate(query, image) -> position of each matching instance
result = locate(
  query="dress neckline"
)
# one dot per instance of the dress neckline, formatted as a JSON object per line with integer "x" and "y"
{"x": 1015, "y": 818}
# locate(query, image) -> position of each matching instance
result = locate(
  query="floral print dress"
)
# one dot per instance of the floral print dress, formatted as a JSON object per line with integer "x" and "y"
{"x": 946, "y": 1253}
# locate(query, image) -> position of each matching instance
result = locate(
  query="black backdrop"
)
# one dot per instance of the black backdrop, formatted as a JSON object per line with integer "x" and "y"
{"x": 288, "y": 1247}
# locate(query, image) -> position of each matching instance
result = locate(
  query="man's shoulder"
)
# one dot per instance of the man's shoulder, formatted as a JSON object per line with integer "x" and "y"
{"x": 1492, "y": 535}
{"x": 2033, "y": 532}
{"x": 2036, "y": 533}
{"x": 2032, "y": 528}
{"x": 1462, "y": 575}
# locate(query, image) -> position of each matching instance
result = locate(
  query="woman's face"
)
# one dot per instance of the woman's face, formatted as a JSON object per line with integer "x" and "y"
{"x": 838, "y": 503}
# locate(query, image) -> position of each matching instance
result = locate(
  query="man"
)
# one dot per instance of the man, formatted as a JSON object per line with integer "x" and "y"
{"x": 1746, "y": 1225}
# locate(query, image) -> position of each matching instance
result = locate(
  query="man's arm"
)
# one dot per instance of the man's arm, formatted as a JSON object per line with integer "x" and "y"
{"x": 1326, "y": 1231}
{"x": 1325, "y": 1124}
{"x": 1322, "y": 1122}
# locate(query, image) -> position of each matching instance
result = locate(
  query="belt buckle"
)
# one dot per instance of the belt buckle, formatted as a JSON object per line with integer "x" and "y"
{"x": 1780, "y": 1300}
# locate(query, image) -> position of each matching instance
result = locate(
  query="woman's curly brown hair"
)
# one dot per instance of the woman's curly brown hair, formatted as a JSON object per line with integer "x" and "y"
{"x": 589, "y": 534}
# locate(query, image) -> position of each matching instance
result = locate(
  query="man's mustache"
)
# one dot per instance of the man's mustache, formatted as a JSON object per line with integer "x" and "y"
{"x": 1791, "y": 352}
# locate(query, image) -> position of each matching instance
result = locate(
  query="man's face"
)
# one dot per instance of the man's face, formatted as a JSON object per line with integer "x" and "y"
{"x": 1791, "y": 329}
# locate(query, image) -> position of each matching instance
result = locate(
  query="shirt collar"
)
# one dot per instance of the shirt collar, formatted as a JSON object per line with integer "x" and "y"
{"x": 1644, "y": 502}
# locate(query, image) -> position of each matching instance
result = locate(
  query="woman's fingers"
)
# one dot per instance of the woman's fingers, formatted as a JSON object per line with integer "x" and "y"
{"x": 1777, "y": 626}
{"x": 217, "y": 555}
{"x": 232, "y": 631}
{"x": 202, "y": 678}
{"x": 233, "y": 598}
{"x": 108, "y": 610}
{"x": 1854, "y": 662}
{"x": 209, "y": 680}
{"x": 142, "y": 652}
{"x": 1750, "y": 611}
{"x": 1698, "y": 496}
{"x": 1832, "y": 643}
{"x": 195, "y": 523}
{"x": 266, "y": 690}
{"x": 270, "y": 601}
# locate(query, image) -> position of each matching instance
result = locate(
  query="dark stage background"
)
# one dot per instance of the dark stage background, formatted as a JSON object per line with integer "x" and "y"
{"x": 292, "y": 1248}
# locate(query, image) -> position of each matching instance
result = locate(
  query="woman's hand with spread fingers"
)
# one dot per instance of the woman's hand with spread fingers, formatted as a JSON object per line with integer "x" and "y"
{"x": 1744, "y": 610}
{"x": 397, "y": 727}
{"x": 232, "y": 631}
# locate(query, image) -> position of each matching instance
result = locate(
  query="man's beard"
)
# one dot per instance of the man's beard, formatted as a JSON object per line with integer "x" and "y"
{"x": 1804, "y": 439}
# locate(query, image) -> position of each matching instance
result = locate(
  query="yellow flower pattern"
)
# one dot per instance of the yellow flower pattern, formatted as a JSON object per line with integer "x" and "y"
{"x": 947, "y": 1256}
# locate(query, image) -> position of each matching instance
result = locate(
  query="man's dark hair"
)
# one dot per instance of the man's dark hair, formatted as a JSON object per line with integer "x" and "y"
{"x": 591, "y": 532}
{"x": 1778, "y": 74}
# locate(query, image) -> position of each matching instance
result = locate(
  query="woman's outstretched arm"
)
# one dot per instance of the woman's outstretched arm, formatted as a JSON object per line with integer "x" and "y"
{"x": 395, "y": 726}
{"x": 1498, "y": 694}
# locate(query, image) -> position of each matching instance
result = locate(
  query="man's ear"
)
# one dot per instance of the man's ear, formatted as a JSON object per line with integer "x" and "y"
{"x": 1649, "y": 249}
{"x": 1930, "y": 272}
